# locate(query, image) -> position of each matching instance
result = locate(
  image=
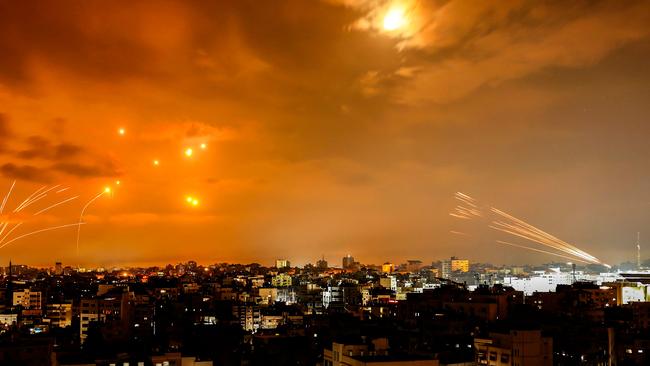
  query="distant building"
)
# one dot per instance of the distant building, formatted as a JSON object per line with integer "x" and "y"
{"x": 27, "y": 299}
{"x": 459, "y": 265}
{"x": 322, "y": 264}
{"x": 281, "y": 280}
{"x": 374, "y": 353}
{"x": 249, "y": 316}
{"x": 454, "y": 265}
{"x": 516, "y": 348}
{"x": 387, "y": 267}
{"x": 282, "y": 263}
{"x": 413, "y": 265}
{"x": 58, "y": 268}
{"x": 348, "y": 262}
{"x": 113, "y": 306}
{"x": 60, "y": 315}
{"x": 389, "y": 282}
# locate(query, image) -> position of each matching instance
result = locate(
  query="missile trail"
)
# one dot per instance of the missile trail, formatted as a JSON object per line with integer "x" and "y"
{"x": 504, "y": 222}
{"x": 540, "y": 251}
{"x": 4, "y": 201}
{"x": 56, "y": 204}
{"x": 39, "y": 231}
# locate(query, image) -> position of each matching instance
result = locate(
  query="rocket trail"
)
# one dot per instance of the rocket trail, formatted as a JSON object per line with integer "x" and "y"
{"x": 4, "y": 201}
{"x": 468, "y": 209}
{"x": 10, "y": 231}
{"x": 37, "y": 198}
{"x": 83, "y": 210}
{"x": 30, "y": 197}
{"x": 541, "y": 251}
{"x": 55, "y": 205}
{"x": 39, "y": 231}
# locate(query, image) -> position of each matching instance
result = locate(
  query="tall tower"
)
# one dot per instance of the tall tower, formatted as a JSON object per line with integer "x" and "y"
{"x": 638, "y": 250}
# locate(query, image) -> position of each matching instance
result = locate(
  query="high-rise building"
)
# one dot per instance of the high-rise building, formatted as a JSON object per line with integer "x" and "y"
{"x": 454, "y": 265}
{"x": 387, "y": 267}
{"x": 58, "y": 268}
{"x": 60, "y": 315}
{"x": 348, "y": 262}
{"x": 27, "y": 299}
{"x": 459, "y": 265}
{"x": 282, "y": 263}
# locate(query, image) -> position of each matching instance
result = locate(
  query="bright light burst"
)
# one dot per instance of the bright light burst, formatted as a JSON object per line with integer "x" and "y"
{"x": 395, "y": 19}
{"x": 192, "y": 200}
{"x": 189, "y": 152}
{"x": 204, "y": 146}
{"x": 121, "y": 131}
{"x": 156, "y": 162}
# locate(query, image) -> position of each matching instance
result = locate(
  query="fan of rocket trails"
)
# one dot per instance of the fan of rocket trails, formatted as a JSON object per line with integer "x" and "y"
{"x": 469, "y": 209}
{"x": 19, "y": 215}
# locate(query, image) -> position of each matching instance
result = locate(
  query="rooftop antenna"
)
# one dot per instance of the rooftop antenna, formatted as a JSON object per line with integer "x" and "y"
{"x": 638, "y": 250}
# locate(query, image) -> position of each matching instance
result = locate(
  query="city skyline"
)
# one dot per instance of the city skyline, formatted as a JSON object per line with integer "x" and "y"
{"x": 247, "y": 131}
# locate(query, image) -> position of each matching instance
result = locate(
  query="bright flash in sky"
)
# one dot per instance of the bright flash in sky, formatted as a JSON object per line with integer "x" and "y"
{"x": 156, "y": 162}
{"x": 204, "y": 146}
{"x": 394, "y": 19}
{"x": 121, "y": 131}
{"x": 117, "y": 182}
{"x": 188, "y": 151}
{"x": 107, "y": 189}
{"x": 192, "y": 201}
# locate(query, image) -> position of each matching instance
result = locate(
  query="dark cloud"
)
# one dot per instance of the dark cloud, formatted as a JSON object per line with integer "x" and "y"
{"x": 101, "y": 170}
{"x": 43, "y": 148}
{"x": 25, "y": 172}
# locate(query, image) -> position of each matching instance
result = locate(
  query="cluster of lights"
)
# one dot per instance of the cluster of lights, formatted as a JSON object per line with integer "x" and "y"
{"x": 188, "y": 152}
{"x": 192, "y": 200}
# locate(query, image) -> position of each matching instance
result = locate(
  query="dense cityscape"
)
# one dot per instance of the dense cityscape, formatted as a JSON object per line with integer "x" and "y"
{"x": 449, "y": 312}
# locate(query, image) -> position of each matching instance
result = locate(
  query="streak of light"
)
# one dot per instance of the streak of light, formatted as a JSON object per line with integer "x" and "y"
{"x": 513, "y": 230}
{"x": 541, "y": 251}
{"x": 459, "y": 216}
{"x": 512, "y": 225}
{"x": 30, "y": 196}
{"x": 4, "y": 201}
{"x": 56, "y": 204}
{"x": 63, "y": 189}
{"x": 548, "y": 236}
{"x": 83, "y": 211}
{"x": 539, "y": 231}
{"x": 39, "y": 231}
{"x": 3, "y": 227}
{"x": 9, "y": 232}
{"x": 459, "y": 233}
{"x": 36, "y": 199}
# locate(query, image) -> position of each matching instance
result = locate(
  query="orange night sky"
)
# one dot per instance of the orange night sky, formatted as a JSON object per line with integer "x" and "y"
{"x": 330, "y": 127}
